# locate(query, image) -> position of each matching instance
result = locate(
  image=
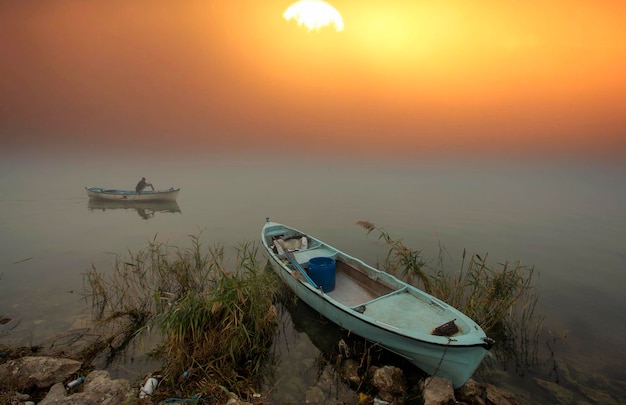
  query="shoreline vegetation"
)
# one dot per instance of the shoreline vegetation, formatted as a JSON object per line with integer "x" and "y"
{"x": 214, "y": 321}
{"x": 502, "y": 299}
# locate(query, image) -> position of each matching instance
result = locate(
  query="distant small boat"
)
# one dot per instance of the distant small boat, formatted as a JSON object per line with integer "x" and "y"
{"x": 99, "y": 193}
{"x": 377, "y": 306}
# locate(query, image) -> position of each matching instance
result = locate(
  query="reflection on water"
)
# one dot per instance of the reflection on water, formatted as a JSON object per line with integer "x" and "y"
{"x": 324, "y": 334}
{"x": 301, "y": 364}
{"x": 145, "y": 209}
{"x": 326, "y": 348}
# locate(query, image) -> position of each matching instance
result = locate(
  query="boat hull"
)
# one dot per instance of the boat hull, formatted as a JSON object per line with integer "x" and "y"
{"x": 394, "y": 318}
{"x": 98, "y": 193}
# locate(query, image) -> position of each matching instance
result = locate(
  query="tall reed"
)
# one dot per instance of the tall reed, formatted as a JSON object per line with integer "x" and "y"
{"x": 215, "y": 323}
{"x": 502, "y": 299}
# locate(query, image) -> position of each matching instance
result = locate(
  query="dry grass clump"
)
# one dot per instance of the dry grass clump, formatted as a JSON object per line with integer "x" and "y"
{"x": 215, "y": 324}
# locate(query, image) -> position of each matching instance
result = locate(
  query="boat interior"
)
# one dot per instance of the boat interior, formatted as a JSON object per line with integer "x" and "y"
{"x": 355, "y": 284}
{"x": 361, "y": 287}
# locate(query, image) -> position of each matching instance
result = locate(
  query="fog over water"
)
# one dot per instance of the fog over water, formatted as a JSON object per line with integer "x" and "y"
{"x": 567, "y": 220}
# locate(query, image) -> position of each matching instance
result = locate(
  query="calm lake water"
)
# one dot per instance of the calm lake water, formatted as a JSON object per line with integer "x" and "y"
{"x": 567, "y": 219}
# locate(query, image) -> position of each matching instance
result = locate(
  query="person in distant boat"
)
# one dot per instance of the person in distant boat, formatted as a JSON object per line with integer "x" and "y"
{"x": 142, "y": 185}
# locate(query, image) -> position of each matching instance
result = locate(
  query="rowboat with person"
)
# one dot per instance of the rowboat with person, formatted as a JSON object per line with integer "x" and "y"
{"x": 100, "y": 193}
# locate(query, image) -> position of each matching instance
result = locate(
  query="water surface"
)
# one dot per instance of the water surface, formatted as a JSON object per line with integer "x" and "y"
{"x": 567, "y": 219}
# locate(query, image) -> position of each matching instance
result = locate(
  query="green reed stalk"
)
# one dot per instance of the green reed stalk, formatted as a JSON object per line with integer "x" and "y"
{"x": 502, "y": 299}
{"x": 216, "y": 321}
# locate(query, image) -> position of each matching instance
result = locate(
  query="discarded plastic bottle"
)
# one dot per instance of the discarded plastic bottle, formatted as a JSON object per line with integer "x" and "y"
{"x": 75, "y": 382}
{"x": 148, "y": 387}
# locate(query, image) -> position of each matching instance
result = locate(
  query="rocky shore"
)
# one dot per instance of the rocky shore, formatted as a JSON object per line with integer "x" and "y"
{"x": 44, "y": 380}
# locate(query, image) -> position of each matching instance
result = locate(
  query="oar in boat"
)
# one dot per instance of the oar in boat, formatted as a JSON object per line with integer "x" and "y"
{"x": 295, "y": 263}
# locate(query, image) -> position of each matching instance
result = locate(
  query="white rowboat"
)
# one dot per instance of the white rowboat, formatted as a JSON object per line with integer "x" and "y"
{"x": 99, "y": 193}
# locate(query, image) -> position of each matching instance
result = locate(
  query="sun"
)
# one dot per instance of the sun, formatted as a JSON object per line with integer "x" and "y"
{"x": 314, "y": 14}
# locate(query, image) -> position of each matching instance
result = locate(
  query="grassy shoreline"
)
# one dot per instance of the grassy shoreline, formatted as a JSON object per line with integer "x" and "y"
{"x": 215, "y": 319}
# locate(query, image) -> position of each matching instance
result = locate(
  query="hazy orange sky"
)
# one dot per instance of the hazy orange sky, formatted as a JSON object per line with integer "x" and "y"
{"x": 414, "y": 77}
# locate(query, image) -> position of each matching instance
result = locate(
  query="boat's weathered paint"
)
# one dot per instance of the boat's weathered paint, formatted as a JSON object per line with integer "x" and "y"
{"x": 401, "y": 321}
{"x": 131, "y": 195}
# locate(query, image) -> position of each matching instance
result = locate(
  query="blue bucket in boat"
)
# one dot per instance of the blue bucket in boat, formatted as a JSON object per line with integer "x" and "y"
{"x": 322, "y": 271}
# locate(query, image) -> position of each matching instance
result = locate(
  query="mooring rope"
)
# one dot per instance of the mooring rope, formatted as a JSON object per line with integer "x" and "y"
{"x": 450, "y": 340}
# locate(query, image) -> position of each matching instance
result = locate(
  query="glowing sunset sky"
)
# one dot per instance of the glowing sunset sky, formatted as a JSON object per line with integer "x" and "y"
{"x": 417, "y": 76}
